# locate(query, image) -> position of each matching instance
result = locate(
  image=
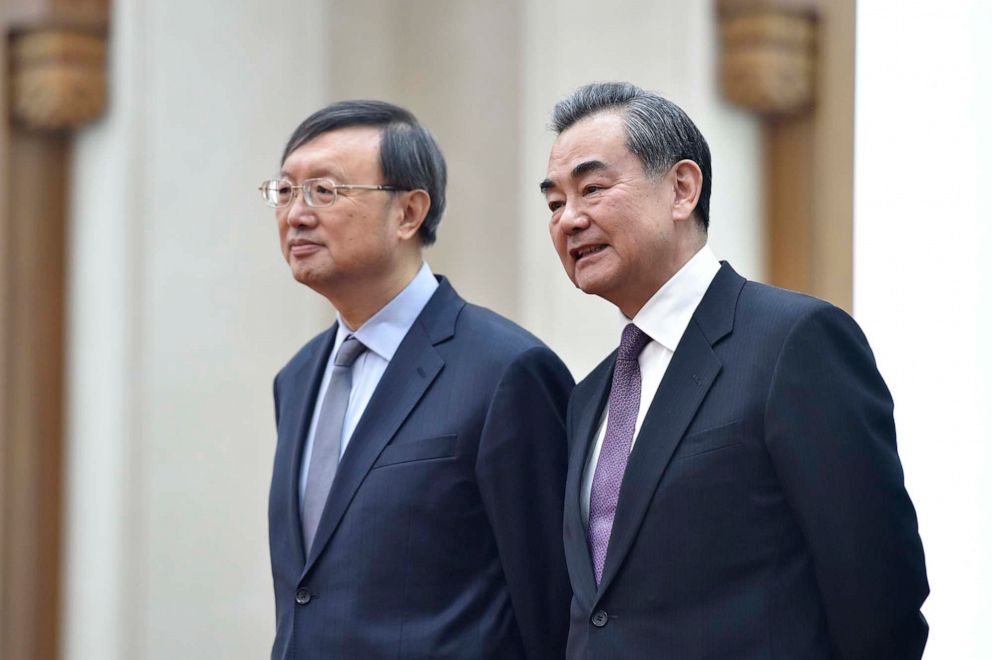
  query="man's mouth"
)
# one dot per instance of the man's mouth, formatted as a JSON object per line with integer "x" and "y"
{"x": 301, "y": 246}
{"x": 587, "y": 250}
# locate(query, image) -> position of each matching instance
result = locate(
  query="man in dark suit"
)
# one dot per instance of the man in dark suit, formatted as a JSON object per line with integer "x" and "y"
{"x": 416, "y": 496}
{"x": 733, "y": 488}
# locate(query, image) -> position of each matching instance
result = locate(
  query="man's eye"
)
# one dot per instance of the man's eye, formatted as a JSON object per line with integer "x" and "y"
{"x": 588, "y": 190}
{"x": 554, "y": 206}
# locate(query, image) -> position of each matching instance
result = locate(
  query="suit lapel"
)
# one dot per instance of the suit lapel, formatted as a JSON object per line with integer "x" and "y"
{"x": 306, "y": 389}
{"x": 587, "y": 411}
{"x": 411, "y": 371}
{"x": 689, "y": 376}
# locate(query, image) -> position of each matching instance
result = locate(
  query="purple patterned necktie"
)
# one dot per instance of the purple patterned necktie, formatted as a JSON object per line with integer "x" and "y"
{"x": 625, "y": 399}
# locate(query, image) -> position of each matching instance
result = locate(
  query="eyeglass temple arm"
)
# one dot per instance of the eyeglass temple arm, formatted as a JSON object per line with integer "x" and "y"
{"x": 358, "y": 186}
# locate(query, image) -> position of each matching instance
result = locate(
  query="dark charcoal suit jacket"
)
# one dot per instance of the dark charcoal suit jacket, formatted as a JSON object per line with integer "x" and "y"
{"x": 441, "y": 537}
{"x": 762, "y": 513}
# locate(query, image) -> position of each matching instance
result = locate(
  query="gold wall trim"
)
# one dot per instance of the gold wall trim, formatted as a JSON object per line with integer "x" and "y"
{"x": 792, "y": 62}
{"x": 59, "y": 77}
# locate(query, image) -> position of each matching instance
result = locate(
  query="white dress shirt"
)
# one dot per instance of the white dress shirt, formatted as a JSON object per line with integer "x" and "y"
{"x": 382, "y": 335}
{"x": 664, "y": 319}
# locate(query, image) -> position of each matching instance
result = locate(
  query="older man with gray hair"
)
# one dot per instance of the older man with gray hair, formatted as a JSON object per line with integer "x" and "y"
{"x": 733, "y": 489}
{"x": 416, "y": 500}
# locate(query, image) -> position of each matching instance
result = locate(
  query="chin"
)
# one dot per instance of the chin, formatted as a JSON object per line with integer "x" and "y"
{"x": 591, "y": 287}
{"x": 304, "y": 275}
{"x": 590, "y": 282}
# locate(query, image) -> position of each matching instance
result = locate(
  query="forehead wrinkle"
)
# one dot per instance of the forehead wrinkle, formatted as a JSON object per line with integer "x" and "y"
{"x": 318, "y": 172}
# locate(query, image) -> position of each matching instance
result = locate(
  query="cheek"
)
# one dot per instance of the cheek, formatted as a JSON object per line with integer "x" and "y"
{"x": 558, "y": 239}
{"x": 282, "y": 227}
{"x": 361, "y": 239}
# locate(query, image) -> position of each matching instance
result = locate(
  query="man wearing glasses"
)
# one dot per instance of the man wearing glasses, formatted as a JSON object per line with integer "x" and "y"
{"x": 416, "y": 499}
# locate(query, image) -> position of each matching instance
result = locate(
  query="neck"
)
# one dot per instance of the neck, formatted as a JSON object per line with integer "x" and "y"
{"x": 359, "y": 302}
{"x": 638, "y": 296}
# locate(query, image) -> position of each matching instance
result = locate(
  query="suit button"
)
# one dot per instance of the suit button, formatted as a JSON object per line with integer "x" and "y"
{"x": 599, "y": 619}
{"x": 302, "y": 596}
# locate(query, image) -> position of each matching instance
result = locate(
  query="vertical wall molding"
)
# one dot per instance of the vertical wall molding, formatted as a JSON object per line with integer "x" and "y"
{"x": 792, "y": 62}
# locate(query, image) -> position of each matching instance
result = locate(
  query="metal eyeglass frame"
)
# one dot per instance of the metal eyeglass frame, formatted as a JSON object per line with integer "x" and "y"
{"x": 305, "y": 187}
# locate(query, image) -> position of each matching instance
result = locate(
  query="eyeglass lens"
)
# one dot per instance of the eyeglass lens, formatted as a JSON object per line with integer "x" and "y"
{"x": 316, "y": 192}
{"x": 319, "y": 192}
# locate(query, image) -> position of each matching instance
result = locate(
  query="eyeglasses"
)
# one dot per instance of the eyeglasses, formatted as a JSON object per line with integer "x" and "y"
{"x": 317, "y": 193}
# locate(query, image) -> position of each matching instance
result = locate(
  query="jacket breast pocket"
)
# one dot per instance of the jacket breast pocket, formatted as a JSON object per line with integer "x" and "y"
{"x": 418, "y": 450}
{"x": 703, "y": 442}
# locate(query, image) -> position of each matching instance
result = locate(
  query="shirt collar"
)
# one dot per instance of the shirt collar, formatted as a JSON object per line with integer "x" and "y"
{"x": 383, "y": 333}
{"x": 665, "y": 316}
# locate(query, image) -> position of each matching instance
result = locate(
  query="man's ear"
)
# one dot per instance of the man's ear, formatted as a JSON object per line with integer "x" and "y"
{"x": 688, "y": 183}
{"x": 414, "y": 205}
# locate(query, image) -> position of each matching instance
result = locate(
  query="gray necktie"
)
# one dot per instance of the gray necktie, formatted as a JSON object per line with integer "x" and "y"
{"x": 327, "y": 439}
{"x": 625, "y": 401}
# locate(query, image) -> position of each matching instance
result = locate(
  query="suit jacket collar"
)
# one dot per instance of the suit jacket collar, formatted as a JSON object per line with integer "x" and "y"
{"x": 586, "y": 410}
{"x": 666, "y": 314}
{"x": 715, "y": 314}
{"x": 413, "y": 368}
{"x": 303, "y": 378}
{"x": 384, "y": 331}
{"x": 689, "y": 376}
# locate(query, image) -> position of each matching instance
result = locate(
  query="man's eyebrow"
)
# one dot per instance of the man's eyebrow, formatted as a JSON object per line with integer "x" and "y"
{"x": 577, "y": 171}
{"x": 587, "y": 166}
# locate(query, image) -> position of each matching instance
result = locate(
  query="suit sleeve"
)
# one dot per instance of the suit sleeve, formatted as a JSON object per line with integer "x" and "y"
{"x": 831, "y": 435}
{"x": 521, "y": 475}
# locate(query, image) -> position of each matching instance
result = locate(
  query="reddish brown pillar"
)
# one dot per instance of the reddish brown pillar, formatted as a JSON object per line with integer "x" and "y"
{"x": 52, "y": 64}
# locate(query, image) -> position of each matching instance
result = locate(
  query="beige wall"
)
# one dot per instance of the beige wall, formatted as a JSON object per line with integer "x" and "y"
{"x": 457, "y": 65}
{"x": 182, "y": 310}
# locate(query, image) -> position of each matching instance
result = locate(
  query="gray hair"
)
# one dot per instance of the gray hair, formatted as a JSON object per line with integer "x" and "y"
{"x": 408, "y": 154}
{"x": 659, "y": 132}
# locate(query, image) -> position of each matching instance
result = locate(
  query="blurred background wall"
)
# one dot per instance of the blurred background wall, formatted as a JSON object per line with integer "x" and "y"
{"x": 180, "y": 309}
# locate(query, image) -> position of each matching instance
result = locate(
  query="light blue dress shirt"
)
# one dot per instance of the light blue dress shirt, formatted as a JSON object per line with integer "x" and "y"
{"x": 382, "y": 335}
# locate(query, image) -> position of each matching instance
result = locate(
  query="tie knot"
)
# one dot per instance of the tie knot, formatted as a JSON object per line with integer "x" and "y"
{"x": 350, "y": 349}
{"x": 632, "y": 342}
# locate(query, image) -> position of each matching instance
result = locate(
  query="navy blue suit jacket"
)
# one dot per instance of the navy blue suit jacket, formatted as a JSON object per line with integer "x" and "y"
{"x": 762, "y": 514}
{"x": 441, "y": 536}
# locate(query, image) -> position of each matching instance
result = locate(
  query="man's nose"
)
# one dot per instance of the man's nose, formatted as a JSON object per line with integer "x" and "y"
{"x": 299, "y": 213}
{"x": 573, "y": 217}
